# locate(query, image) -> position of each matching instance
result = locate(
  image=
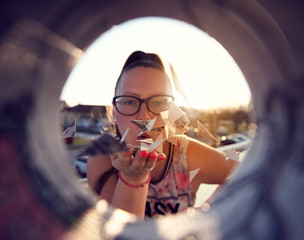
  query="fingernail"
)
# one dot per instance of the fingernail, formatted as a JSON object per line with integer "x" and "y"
{"x": 153, "y": 156}
{"x": 128, "y": 152}
{"x": 162, "y": 156}
{"x": 143, "y": 153}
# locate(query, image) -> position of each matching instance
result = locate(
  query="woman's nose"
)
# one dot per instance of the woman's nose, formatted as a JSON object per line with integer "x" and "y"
{"x": 144, "y": 112}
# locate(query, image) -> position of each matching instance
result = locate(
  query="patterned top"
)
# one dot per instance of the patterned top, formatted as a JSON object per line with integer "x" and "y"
{"x": 174, "y": 192}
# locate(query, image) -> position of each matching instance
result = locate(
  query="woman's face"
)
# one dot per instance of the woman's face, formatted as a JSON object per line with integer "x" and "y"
{"x": 141, "y": 82}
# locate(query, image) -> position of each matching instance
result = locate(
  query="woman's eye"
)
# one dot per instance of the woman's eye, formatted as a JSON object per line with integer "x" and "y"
{"x": 158, "y": 103}
{"x": 129, "y": 102}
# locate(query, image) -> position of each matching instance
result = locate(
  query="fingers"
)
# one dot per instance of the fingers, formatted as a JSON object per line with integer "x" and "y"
{"x": 122, "y": 160}
{"x": 147, "y": 161}
{"x": 150, "y": 161}
{"x": 162, "y": 156}
{"x": 143, "y": 160}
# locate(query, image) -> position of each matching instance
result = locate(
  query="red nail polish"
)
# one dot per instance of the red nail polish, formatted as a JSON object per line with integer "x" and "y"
{"x": 162, "y": 157}
{"x": 128, "y": 152}
{"x": 153, "y": 156}
{"x": 143, "y": 153}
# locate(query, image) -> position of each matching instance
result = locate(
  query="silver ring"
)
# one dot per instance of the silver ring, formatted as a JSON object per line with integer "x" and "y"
{"x": 147, "y": 169}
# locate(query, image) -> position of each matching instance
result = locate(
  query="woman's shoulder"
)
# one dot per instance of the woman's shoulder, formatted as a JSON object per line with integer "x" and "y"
{"x": 182, "y": 138}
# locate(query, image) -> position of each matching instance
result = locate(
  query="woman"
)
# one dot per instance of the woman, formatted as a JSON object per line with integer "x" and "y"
{"x": 151, "y": 183}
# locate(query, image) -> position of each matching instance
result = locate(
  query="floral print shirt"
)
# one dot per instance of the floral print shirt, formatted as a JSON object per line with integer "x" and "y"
{"x": 174, "y": 192}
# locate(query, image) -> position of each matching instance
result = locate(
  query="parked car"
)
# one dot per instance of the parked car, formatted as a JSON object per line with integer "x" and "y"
{"x": 233, "y": 138}
{"x": 80, "y": 165}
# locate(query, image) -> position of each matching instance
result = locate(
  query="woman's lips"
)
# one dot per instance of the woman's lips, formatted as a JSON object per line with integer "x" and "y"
{"x": 143, "y": 136}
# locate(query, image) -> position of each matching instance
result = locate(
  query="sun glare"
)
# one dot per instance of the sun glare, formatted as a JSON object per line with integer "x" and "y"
{"x": 207, "y": 73}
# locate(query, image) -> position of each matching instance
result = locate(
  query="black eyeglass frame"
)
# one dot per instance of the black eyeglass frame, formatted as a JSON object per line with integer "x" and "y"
{"x": 141, "y": 101}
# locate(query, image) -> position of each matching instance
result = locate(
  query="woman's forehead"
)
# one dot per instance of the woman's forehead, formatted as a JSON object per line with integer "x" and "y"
{"x": 144, "y": 79}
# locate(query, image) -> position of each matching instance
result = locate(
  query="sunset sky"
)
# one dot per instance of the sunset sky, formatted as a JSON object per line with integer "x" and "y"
{"x": 207, "y": 73}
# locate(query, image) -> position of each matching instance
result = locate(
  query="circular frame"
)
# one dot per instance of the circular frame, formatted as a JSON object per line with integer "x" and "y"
{"x": 39, "y": 45}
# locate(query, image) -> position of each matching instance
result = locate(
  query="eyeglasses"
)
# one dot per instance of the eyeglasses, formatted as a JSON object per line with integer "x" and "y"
{"x": 130, "y": 105}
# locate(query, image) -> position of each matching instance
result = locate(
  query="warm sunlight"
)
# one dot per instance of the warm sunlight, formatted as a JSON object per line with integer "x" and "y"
{"x": 208, "y": 75}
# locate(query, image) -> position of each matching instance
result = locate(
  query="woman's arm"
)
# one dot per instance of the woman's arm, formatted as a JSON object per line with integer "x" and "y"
{"x": 214, "y": 168}
{"x": 119, "y": 191}
{"x": 96, "y": 167}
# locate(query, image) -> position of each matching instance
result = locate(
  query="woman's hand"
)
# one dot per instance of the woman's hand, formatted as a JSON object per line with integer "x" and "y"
{"x": 135, "y": 169}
